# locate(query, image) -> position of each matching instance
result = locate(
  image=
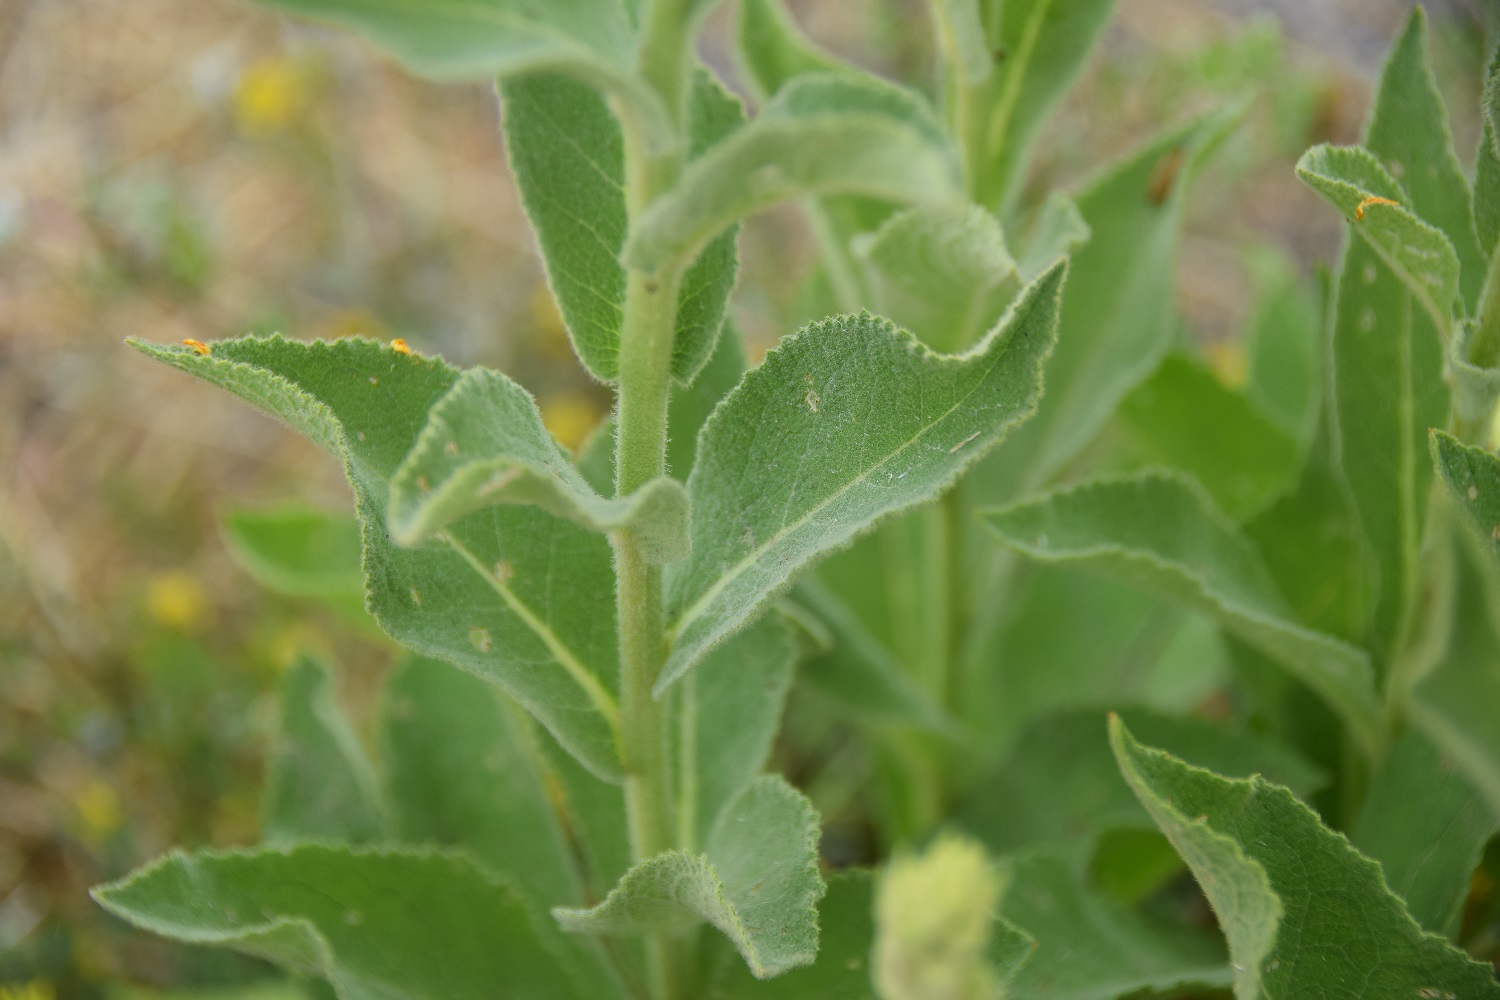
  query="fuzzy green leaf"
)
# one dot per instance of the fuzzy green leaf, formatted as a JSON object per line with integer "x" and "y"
{"x": 1042, "y": 45}
{"x": 842, "y": 969}
{"x": 1419, "y": 253}
{"x": 1487, "y": 164}
{"x": 1305, "y": 913}
{"x": 1089, "y": 947}
{"x": 352, "y": 916}
{"x": 1427, "y": 827}
{"x": 1408, "y": 131}
{"x": 567, "y": 155}
{"x": 822, "y": 134}
{"x": 942, "y": 273}
{"x": 484, "y": 444}
{"x": 1472, "y": 477}
{"x": 1184, "y": 417}
{"x": 319, "y": 783}
{"x": 463, "y": 769}
{"x": 483, "y": 598}
{"x": 729, "y": 714}
{"x": 772, "y": 50}
{"x": 1059, "y": 229}
{"x": 1160, "y": 532}
{"x": 846, "y": 422}
{"x": 1284, "y": 350}
{"x": 757, "y": 882}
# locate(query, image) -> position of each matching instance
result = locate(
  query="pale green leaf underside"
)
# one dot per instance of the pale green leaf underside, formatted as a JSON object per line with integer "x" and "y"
{"x": 942, "y": 273}
{"x": 379, "y": 924}
{"x": 566, "y": 152}
{"x": 845, "y": 422}
{"x": 1305, "y": 914}
{"x": 319, "y": 783}
{"x": 485, "y": 444}
{"x": 483, "y": 598}
{"x": 1160, "y": 532}
{"x": 757, "y": 882}
{"x": 1424, "y": 258}
{"x": 823, "y": 134}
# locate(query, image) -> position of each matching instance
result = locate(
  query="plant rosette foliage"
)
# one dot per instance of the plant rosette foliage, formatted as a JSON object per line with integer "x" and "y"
{"x": 962, "y": 526}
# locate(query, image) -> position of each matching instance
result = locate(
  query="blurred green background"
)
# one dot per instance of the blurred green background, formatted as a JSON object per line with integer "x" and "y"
{"x": 200, "y": 168}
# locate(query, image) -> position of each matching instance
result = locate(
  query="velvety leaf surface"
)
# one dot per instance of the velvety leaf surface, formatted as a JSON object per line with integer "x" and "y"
{"x": 352, "y": 916}
{"x": 730, "y": 710}
{"x": 462, "y": 769}
{"x": 492, "y": 597}
{"x": 484, "y": 444}
{"x": 1427, "y": 827}
{"x": 757, "y": 882}
{"x": 1185, "y": 418}
{"x": 319, "y": 783}
{"x": 1305, "y": 913}
{"x": 1408, "y": 130}
{"x": 567, "y": 156}
{"x": 842, "y": 969}
{"x": 1161, "y": 532}
{"x": 843, "y": 423}
{"x": 772, "y": 49}
{"x": 1042, "y": 46}
{"x": 1418, "y": 253}
{"x": 1060, "y": 787}
{"x": 942, "y": 273}
{"x": 823, "y": 133}
{"x": 1089, "y": 947}
{"x": 1472, "y": 477}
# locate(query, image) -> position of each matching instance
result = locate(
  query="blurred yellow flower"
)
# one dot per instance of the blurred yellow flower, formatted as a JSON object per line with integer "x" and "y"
{"x": 98, "y": 808}
{"x": 1226, "y": 358}
{"x": 570, "y": 416}
{"x": 176, "y": 600}
{"x": 272, "y": 95}
{"x": 37, "y": 989}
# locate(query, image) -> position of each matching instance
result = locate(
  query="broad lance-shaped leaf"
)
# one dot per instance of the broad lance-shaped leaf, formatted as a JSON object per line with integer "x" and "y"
{"x": 942, "y": 273}
{"x": 567, "y": 155}
{"x": 1408, "y": 131}
{"x": 1305, "y": 914}
{"x": 484, "y": 444}
{"x": 1160, "y": 532}
{"x": 487, "y": 597}
{"x": 757, "y": 881}
{"x": 319, "y": 783}
{"x": 1355, "y": 183}
{"x": 822, "y": 134}
{"x": 1043, "y": 44}
{"x": 1427, "y": 827}
{"x": 378, "y": 924}
{"x": 845, "y": 422}
{"x": 728, "y": 714}
{"x": 1472, "y": 477}
{"x": 463, "y": 769}
{"x": 771, "y": 49}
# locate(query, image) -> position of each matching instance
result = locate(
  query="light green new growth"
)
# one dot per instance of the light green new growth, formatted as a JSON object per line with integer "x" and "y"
{"x": 1305, "y": 913}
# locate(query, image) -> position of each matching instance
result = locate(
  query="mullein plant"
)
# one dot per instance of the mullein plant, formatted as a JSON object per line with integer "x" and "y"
{"x": 1005, "y": 539}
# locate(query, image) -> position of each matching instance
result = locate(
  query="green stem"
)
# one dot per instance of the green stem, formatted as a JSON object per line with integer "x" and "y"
{"x": 969, "y": 91}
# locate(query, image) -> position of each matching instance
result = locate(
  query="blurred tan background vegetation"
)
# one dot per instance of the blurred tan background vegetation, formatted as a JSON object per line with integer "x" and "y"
{"x": 200, "y": 168}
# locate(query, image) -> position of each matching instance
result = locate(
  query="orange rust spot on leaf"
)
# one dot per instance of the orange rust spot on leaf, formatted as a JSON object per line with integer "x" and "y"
{"x": 196, "y": 345}
{"x": 1164, "y": 175}
{"x": 1359, "y": 210}
{"x": 399, "y": 346}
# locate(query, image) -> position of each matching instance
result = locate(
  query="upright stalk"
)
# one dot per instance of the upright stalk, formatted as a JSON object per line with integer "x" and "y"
{"x": 646, "y": 340}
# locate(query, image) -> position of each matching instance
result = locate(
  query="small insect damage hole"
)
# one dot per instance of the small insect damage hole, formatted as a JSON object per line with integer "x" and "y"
{"x": 811, "y": 399}
{"x": 479, "y": 638}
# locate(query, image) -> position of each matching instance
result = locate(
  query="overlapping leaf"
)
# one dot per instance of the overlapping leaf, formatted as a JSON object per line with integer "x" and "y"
{"x": 488, "y": 598}
{"x": 567, "y": 155}
{"x": 1472, "y": 477}
{"x": 484, "y": 444}
{"x": 377, "y": 924}
{"x": 845, "y": 422}
{"x": 1305, "y": 913}
{"x": 757, "y": 882}
{"x": 822, "y": 134}
{"x": 772, "y": 50}
{"x": 1160, "y": 532}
